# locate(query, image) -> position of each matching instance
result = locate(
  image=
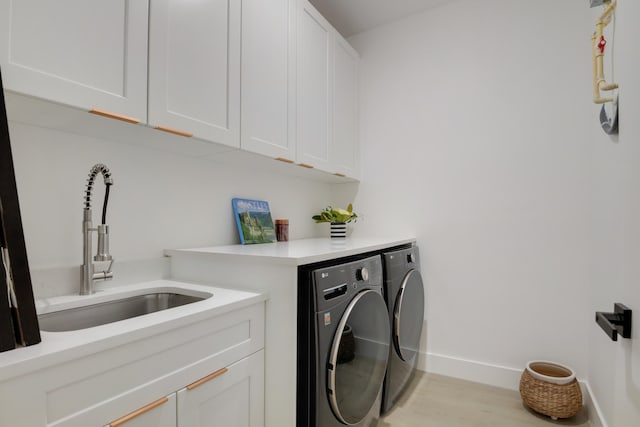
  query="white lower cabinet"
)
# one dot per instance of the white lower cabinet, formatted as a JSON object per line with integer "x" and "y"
{"x": 232, "y": 398}
{"x": 229, "y": 397}
{"x": 161, "y": 413}
{"x": 206, "y": 373}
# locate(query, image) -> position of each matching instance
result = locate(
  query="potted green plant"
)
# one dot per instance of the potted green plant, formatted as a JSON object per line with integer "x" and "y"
{"x": 338, "y": 219}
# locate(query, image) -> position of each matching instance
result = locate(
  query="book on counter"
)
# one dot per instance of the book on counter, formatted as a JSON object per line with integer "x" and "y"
{"x": 254, "y": 222}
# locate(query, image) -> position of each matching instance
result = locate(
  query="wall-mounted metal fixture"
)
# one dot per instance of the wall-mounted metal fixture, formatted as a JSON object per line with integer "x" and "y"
{"x": 618, "y": 322}
{"x": 609, "y": 109}
{"x": 598, "y": 45}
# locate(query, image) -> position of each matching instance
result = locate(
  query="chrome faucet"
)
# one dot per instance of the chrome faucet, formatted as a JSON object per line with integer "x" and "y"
{"x": 88, "y": 274}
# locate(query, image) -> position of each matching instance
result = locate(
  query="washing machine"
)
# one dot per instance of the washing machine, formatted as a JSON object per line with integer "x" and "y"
{"x": 404, "y": 295}
{"x": 343, "y": 345}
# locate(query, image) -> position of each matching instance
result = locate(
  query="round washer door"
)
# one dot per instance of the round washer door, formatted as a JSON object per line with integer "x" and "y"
{"x": 408, "y": 316}
{"x": 354, "y": 381}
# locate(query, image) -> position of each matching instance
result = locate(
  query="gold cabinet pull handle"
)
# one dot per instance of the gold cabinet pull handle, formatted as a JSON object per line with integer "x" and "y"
{"x": 207, "y": 378}
{"x": 114, "y": 116}
{"x": 304, "y": 165}
{"x": 138, "y": 412}
{"x": 282, "y": 159}
{"x": 174, "y": 131}
{"x": 341, "y": 175}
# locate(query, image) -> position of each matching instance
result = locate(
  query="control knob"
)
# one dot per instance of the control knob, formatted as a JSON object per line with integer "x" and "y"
{"x": 362, "y": 274}
{"x": 411, "y": 258}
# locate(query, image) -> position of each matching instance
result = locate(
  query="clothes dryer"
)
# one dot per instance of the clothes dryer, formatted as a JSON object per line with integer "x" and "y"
{"x": 404, "y": 295}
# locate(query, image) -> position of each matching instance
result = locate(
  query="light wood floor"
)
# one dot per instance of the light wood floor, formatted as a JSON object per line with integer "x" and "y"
{"x": 437, "y": 401}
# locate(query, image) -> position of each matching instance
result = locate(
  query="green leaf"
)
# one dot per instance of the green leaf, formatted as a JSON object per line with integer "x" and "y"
{"x": 329, "y": 214}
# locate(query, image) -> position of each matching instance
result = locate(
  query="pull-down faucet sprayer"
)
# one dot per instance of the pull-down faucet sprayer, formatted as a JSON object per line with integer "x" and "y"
{"x": 88, "y": 274}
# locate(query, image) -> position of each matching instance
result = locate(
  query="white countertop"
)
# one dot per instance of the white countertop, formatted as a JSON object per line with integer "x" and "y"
{"x": 298, "y": 252}
{"x": 59, "y": 347}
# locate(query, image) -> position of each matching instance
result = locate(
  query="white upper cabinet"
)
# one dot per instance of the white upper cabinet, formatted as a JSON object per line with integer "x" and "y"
{"x": 345, "y": 149}
{"x": 194, "y": 68}
{"x": 90, "y": 54}
{"x": 327, "y": 106}
{"x": 268, "y": 77}
{"x": 315, "y": 66}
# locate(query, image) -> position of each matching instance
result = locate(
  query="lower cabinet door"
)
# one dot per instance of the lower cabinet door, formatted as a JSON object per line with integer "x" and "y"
{"x": 230, "y": 397}
{"x": 161, "y": 413}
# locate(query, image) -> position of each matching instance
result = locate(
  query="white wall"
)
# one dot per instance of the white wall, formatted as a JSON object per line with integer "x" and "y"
{"x": 614, "y": 367}
{"x": 480, "y": 137}
{"x": 475, "y": 123}
{"x": 159, "y": 200}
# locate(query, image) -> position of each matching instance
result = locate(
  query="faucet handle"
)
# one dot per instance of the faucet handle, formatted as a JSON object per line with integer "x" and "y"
{"x": 105, "y": 274}
{"x": 103, "y": 244}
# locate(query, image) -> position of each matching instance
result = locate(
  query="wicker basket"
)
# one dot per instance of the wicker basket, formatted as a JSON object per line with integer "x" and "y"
{"x": 551, "y": 389}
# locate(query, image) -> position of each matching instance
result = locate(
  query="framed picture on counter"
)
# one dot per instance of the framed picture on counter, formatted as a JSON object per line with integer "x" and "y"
{"x": 254, "y": 222}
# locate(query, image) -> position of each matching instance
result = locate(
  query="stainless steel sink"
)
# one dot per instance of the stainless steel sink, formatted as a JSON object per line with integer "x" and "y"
{"x": 92, "y": 315}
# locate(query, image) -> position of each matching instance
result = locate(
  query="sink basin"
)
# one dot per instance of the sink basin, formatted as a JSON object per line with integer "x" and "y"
{"x": 88, "y": 316}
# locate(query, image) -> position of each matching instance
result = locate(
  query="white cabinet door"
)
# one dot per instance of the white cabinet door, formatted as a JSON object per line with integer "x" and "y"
{"x": 327, "y": 101}
{"x": 268, "y": 77}
{"x": 161, "y": 413}
{"x": 314, "y": 100}
{"x": 345, "y": 151}
{"x": 234, "y": 398}
{"x": 194, "y": 68}
{"x": 90, "y": 54}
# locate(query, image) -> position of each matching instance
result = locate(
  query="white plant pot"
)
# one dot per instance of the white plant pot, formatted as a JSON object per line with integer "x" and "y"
{"x": 338, "y": 230}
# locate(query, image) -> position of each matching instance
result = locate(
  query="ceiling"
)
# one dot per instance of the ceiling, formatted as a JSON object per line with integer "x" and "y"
{"x": 351, "y": 17}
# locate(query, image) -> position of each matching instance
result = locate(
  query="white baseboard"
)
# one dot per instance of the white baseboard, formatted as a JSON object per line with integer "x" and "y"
{"x": 590, "y": 402}
{"x": 470, "y": 370}
{"x": 497, "y": 376}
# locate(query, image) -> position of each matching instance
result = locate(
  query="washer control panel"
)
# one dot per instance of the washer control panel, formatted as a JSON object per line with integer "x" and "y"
{"x": 333, "y": 284}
